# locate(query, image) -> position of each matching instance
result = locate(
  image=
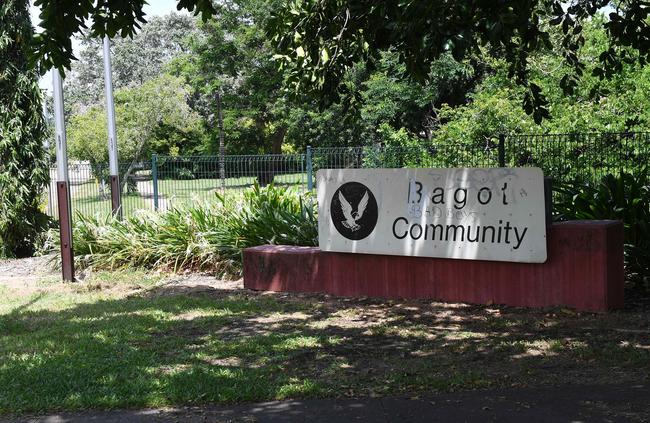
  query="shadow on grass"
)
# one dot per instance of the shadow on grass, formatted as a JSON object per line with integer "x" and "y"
{"x": 171, "y": 346}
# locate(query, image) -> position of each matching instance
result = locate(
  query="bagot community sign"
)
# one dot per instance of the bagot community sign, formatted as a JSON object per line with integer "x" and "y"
{"x": 466, "y": 213}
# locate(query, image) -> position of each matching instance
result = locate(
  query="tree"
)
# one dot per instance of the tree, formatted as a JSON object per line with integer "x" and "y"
{"x": 23, "y": 167}
{"x": 135, "y": 60}
{"x": 153, "y": 117}
{"x": 388, "y": 97}
{"x": 390, "y": 109}
{"x": 232, "y": 55}
{"x": 61, "y": 21}
{"x": 618, "y": 104}
{"x": 614, "y": 105}
{"x": 319, "y": 40}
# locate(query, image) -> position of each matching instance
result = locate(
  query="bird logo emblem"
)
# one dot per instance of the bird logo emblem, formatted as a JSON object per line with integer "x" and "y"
{"x": 352, "y": 217}
{"x": 354, "y": 211}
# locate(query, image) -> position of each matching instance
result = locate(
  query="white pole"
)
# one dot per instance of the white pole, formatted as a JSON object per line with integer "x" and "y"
{"x": 59, "y": 124}
{"x": 112, "y": 133}
{"x": 110, "y": 108}
{"x": 62, "y": 184}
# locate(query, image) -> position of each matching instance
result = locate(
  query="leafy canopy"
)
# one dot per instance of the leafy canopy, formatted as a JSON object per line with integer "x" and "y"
{"x": 62, "y": 20}
{"x": 135, "y": 60}
{"x": 617, "y": 104}
{"x": 318, "y": 40}
{"x": 233, "y": 56}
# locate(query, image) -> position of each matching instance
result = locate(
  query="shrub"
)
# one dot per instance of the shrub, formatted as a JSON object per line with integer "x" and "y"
{"x": 207, "y": 236}
{"x": 623, "y": 197}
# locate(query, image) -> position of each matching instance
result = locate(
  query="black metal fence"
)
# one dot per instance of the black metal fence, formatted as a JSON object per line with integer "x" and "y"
{"x": 164, "y": 181}
{"x": 570, "y": 157}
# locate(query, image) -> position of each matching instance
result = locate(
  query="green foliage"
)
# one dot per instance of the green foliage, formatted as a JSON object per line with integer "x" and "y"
{"x": 152, "y": 107}
{"x": 387, "y": 104}
{"x": 23, "y": 167}
{"x": 615, "y": 105}
{"x": 134, "y": 60}
{"x": 210, "y": 236}
{"x": 318, "y": 41}
{"x": 233, "y": 55}
{"x": 400, "y": 149}
{"x": 61, "y": 21}
{"x": 269, "y": 215}
{"x": 623, "y": 197}
{"x": 153, "y": 117}
{"x": 388, "y": 97}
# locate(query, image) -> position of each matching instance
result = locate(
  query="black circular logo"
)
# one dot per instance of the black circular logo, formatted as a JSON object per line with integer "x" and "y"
{"x": 354, "y": 211}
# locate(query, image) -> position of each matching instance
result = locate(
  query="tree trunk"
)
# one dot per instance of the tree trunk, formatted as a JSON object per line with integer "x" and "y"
{"x": 273, "y": 165}
{"x": 278, "y": 139}
{"x": 132, "y": 187}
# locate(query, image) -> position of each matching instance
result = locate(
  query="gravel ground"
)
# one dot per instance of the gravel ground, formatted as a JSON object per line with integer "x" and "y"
{"x": 26, "y": 271}
{"x": 27, "y": 274}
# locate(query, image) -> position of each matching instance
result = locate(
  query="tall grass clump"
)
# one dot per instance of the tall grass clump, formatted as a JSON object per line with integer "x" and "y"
{"x": 205, "y": 236}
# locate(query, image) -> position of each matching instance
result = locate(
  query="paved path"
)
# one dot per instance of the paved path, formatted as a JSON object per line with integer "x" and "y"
{"x": 609, "y": 403}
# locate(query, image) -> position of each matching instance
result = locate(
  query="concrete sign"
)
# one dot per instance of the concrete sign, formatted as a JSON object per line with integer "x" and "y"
{"x": 476, "y": 214}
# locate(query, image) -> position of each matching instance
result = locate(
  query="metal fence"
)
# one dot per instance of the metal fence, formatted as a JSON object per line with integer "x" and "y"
{"x": 163, "y": 181}
{"x": 571, "y": 157}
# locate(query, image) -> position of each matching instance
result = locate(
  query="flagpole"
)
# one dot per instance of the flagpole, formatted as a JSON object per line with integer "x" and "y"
{"x": 112, "y": 133}
{"x": 63, "y": 181}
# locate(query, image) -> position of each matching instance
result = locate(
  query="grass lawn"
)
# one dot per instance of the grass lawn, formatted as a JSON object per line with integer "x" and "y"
{"x": 87, "y": 201}
{"x": 134, "y": 340}
{"x": 90, "y": 204}
{"x": 205, "y": 189}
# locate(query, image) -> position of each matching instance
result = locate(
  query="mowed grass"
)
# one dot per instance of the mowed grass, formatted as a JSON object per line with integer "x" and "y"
{"x": 90, "y": 203}
{"x": 65, "y": 348}
{"x": 130, "y": 339}
{"x": 186, "y": 191}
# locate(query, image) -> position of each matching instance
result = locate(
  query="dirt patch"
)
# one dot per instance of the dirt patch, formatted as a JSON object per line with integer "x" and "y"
{"x": 27, "y": 267}
{"x": 370, "y": 346}
{"x": 193, "y": 285}
{"x": 420, "y": 344}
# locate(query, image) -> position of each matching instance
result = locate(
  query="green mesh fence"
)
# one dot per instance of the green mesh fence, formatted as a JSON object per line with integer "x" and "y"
{"x": 164, "y": 181}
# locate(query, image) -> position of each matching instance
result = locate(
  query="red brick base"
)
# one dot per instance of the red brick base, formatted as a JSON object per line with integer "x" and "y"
{"x": 584, "y": 270}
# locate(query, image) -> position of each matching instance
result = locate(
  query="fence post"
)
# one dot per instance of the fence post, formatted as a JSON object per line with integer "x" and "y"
{"x": 310, "y": 170}
{"x": 548, "y": 200}
{"x": 502, "y": 150}
{"x": 154, "y": 177}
